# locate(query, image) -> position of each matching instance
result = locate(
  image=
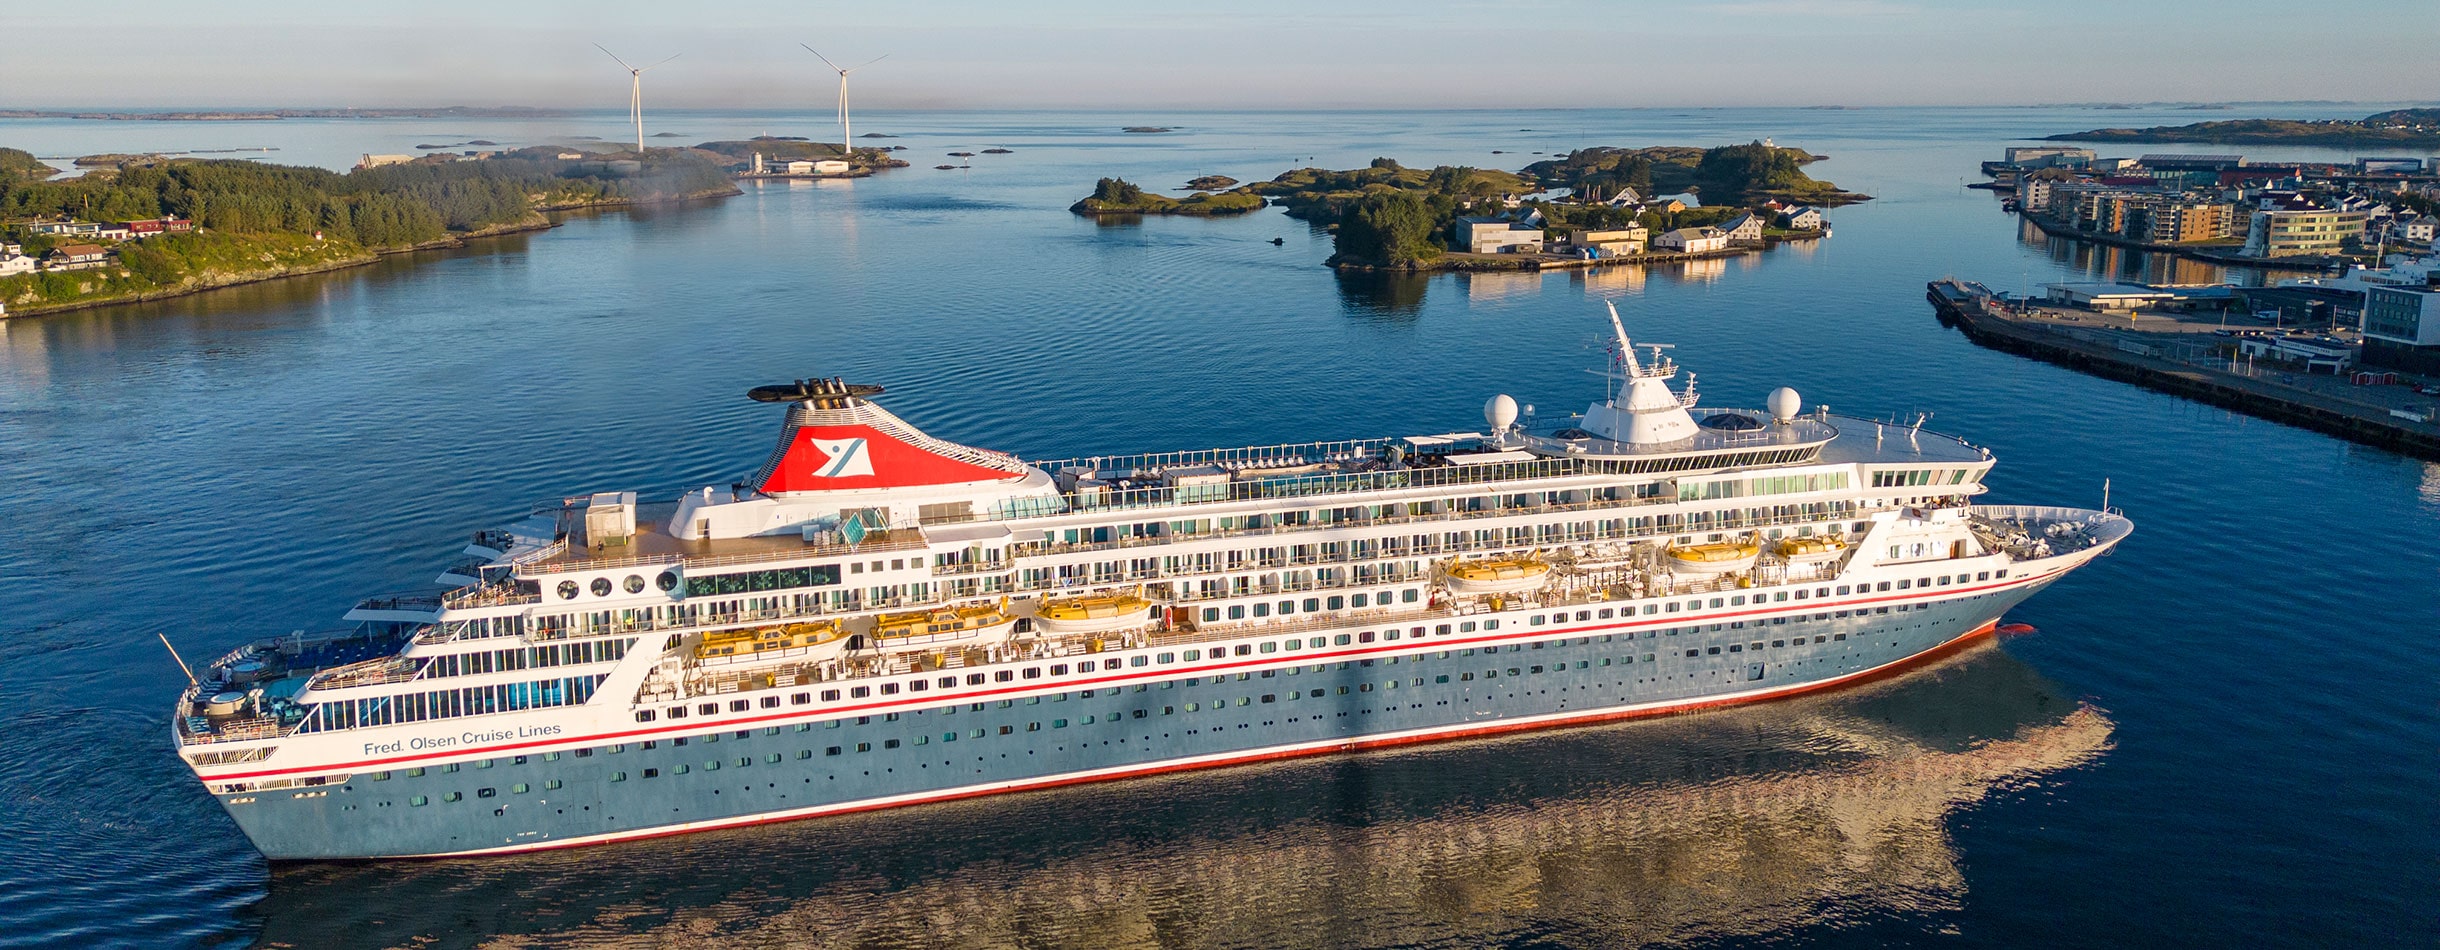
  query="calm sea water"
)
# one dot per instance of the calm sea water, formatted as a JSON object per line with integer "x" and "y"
{"x": 2223, "y": 734}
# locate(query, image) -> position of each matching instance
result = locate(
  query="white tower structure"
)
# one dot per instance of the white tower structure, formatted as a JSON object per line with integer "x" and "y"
{"x": 1646, "y": 412}
{"x": 635, "y": 92}
{"x": 847, "y": 132}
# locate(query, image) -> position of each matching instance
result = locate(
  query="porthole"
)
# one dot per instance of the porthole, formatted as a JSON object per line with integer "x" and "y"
{"x": 567, "y": 590}
{"x": 635, "y": 583}
{"x": 601, "y": 587}
{"x": 668, "y": 581}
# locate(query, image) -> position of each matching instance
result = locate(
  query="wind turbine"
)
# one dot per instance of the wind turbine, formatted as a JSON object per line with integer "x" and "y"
{"x": 847, "y": 138}
{"x": 635, "y": 93}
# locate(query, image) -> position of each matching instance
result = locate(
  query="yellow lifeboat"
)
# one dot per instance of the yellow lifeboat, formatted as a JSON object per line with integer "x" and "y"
{"x": 1505, "y": 575}
{"x": 1099, "y": 613}
{"x": 1718, "y": 557}
{"x": 968, "y": 622}
{"x": 758, "y": 643}
{"x": 1808, "y": 550}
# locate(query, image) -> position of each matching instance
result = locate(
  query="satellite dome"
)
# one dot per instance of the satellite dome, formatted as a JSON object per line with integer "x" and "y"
{"x": 1500, "y": 412}
{"x": 1785, "y": 404}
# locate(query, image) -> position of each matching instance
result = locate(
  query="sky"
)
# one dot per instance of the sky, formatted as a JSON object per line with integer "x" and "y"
{"x": 1250, "y": 54}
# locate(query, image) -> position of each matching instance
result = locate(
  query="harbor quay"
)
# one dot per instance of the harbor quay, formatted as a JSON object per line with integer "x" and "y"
{"x": 2253, "y": 370}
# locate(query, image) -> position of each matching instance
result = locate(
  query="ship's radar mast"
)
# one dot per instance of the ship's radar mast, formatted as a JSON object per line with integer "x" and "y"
{"x": 1647, "y": 413}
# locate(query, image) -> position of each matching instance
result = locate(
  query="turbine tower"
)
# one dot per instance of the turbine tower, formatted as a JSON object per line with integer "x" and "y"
{"x": 635, "y": 93}
{"x": 847, "y": 138}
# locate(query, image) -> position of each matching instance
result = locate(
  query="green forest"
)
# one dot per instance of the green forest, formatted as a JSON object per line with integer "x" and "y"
{"x": 259, "y": 217}
{"x": 1730, "y": 175}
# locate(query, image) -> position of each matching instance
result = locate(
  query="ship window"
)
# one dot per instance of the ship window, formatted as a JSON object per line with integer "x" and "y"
{"x": 567, "y": 590}
{"x": 1442, "y": 678}
{"x": 1840, "y": 636}
{"x": 1738, "y": 601}
{"x": 770, "y": 702}
{"x": 1607, "y": 613}
{"x": 1783, "y": 595}
{"x": 601, "y": 587}
{"x": 1673, "y": 607}
{"x": 829, "y": 694}
{"x": 1735, "y": 648}
{"x": 1715, "y": 651}
{"x": 418, "y": 800}
{"x": 1884, "y": 585}
{"x": 2002, "y": 572}
{"x": 1211, "y": 614}
{"x": 1944, "y": 580}
{"x": 1466, "y": 627}
{"x": 1902, "y": 583}
{"x": 1271, "y": 647}
{"x": 1139, "y": 661}
{"x": 1358, "y": 601}
{"x": 643, "y": 715}
{"x": 1263, "y": 610}
{"x": 1364, "y": 637}
{"x": 1294, "y": 643}
{"x": 887, "y": 689}
{"x": 1409, "y": 595}
{"x": 520, "y": 788}
{"x": 1193, "y": 655}
{"x": 381, "y": 776}
{"x": 833, "y": 750}
{"x": 1536, "y": 620}
{"x": 416, "y": 772}
{"x": 486, "y": 793}
{"x": 652, "y": 773}
{"x": 1982, "y": 575}
{"x": 1341, "y": 639}
{"x": 1800, "y": 595}
{"x": 1694, "y": 653}
{"x": 859, "y": 692}
{"x": 1315, "y": 643}
{"x": 1236, "y": 612}
{"x": 1242, "y": 650}
{"x": 1334, "y": 603}
{"x": 974, "y": 679}
{"x": 1311, "y": 604}
{"x": 708, "y": 709}
{"x": 799, "y": 699}
{"x": 1169, "y": 657}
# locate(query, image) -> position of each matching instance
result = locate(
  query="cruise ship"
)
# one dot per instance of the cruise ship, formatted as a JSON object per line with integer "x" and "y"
{"x": 878, "y": 618}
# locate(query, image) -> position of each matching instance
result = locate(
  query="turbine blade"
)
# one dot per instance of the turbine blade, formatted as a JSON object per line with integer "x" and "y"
{"x": 657, "y": 65}
{"x": 613, "y": 57}
{"x": 817, "y": 54}
{"x": 868, "y": 62}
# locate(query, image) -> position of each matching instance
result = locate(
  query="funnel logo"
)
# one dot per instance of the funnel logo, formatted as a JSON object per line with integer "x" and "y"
{"x": 841, "y": 458}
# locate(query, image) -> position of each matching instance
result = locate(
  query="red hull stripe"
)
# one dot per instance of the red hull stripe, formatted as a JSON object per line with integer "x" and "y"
{"x": 941, "y": 699}
{"x": 1439, "y": 735}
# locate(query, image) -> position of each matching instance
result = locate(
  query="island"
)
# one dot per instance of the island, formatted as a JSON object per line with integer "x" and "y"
{"x": 153, "y": 229}
{"x": 780, "y": 156}
{"x": 1599, "y": 204}
{"x": 2411, "y": 128}
{"x": 1117, "y": 196}
{"x": 1211, "y": 183}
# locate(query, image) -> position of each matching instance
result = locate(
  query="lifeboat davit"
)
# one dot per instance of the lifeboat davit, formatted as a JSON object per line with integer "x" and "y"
{"x": 1505, "y": 575}
{"x": 946, "y": 625}
{"x": 1809, "y": 550}
{"x": 748, "y": 644}
{"x": 1718, "y": 557}
{"x": 1099, "y": 613}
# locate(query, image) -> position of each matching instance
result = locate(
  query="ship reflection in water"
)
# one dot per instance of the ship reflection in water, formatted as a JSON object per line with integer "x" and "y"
{"x": 1821, "y": 812}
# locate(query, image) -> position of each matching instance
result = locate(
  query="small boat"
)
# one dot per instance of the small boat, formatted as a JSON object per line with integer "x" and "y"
{"x": 748, "y": 644}
{"x": 1505, "y": 575}
{"x": 969, "y": 622}
{"x": 1719, "y": 557}
{"x": 945, "y": 167}
{"x": 1099, "y": 613}
{"x": 1807, "y": 550}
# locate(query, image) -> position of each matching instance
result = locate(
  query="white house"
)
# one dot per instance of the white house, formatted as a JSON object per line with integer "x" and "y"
{"x": 2413, "y": 229}
{"x": 830, "y": 166}
{"x": 1625, "y": 198}
{"x": 1483, "y": 235}
{"x": 1803, "y": 219}
{"x": 16, "y": 264}
{"x": 1692, "y": 240}
{"x": 1744, "y": 227}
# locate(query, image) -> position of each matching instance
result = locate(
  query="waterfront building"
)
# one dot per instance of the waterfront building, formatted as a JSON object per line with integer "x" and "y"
{"x": 1692, "y": 240}
{"x": 2402, "y": 328}
{"x": 1488, "y": 235}
{"x": 2413, "y": 229}
{"x": 1744, "y": 228}
{"x": 2177, "y": 220}
{"x": 1610, "y": 242}
{"x": 15, "y": 263}
{"x": 76, "y": 257}
{"x": 2293, "y": 226}
{"x": 2048, "y": 156}
{"x": 165, "y": 225}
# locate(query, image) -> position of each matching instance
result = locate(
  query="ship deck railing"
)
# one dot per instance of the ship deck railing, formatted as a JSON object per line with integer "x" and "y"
{"x": 1158, "y": 574}
{"x": 374, "y": 672}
